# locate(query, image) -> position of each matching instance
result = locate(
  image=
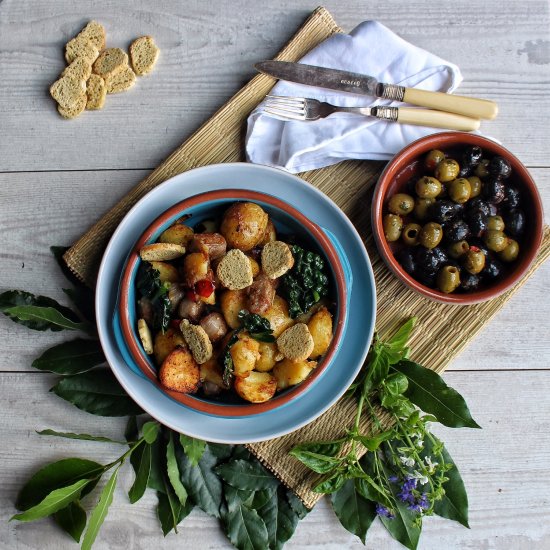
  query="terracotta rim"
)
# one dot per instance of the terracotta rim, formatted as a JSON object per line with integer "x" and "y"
{"x": 447, "y": 140}
{"x": 130, "y": 336}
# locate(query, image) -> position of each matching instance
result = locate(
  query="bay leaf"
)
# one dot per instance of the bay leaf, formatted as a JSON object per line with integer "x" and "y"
{"x": 100, "y": 511}
{"x": 72, "y": 519}
{"x": 142, "y": 468}
{"x": 38, "y": 312}
{"x": 56, "y": 475}
{"x": 201, "y": 481}
{"x": 173, "y": 472}
{"x": 247, "y": 475}
{"x": 428, "y": 391}
{"x": 244, "y": 527}
{"x": 194, "y": 448}
{"x": 73, "y": 357}
{"x": 98, "y": 393}
{"x": 354, "y": 512}
{"x": 85, "y": 437}
{"x": 54, "y": 501}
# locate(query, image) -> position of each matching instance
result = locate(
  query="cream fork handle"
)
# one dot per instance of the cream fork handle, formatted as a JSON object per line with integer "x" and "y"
{"x": 417, "y": 117}
{"x": 436, "y": 119}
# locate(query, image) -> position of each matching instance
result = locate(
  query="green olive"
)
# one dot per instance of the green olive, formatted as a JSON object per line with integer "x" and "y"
{"x": 431, "y": 235}
{"x": 510, "y": 252}
{"x": 482, "y": 169}
{"x": 475, "y": 186}
{"x": 401, "y": 203}
{"x": 459, "y": 190}
{"x": 411, "y": 234}
{"x": 447, "y": 170}
{"x": 448, "y": 279}
{"x": 393, "y": 224}
{"x": 433, "y": 158}
{"x": 495, "y": 240}
{"x": 428, "y": 187}
{"x": 474, "y": 260}
{"x": 422, "y": 208}
{"x": 495, "y": 223}
{"x": 458, "y": 249}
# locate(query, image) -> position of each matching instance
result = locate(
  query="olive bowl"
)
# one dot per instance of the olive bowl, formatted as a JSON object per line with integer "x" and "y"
{"x": 210, "y": 205}
{"x": 407, "y": 165}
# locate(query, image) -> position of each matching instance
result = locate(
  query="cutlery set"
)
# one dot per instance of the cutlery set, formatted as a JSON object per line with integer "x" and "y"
{"x": 443, "y": 110}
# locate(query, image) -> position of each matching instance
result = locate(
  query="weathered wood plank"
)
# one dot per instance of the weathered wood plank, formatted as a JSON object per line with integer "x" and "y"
{"x": 504, "y": 474}
{"x": 208, "y": 53}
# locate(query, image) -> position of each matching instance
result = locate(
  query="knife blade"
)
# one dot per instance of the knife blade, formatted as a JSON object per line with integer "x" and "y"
{"x": 356, "y": 83}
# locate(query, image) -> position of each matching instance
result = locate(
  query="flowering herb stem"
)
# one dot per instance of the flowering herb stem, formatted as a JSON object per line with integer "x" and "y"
{"x": 398, "y": 473}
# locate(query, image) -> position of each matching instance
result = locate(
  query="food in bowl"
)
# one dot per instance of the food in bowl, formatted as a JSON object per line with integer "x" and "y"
{"x": 233, "y": 306}
{"x": 458, "y": 225}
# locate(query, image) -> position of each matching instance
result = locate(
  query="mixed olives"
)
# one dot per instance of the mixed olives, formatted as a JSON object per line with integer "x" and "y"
{"x": 458, "y": 222}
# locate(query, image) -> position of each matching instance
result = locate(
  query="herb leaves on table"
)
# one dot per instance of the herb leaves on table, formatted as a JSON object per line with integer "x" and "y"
{"x": 395, "y": 469}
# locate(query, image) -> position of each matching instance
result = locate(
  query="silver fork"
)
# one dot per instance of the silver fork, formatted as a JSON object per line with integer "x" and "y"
{"x": 303, "y": 108}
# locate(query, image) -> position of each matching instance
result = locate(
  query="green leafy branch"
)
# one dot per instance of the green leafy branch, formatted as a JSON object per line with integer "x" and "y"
{"x": 397, "y": 470}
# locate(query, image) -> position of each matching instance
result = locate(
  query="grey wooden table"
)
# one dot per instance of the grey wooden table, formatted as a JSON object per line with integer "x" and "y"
{"x": 57, "y": 178}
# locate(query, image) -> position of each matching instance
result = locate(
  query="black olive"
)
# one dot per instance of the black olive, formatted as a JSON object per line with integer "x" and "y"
{"x": 469, "y": 281}
{"x": 427, "y": 278}
{"x": 493, "y": 210}
{"x": 479, "y": 204}
{"x": 440, "y": 256}
{"x": 499, "y": 167}
{"x": 456, "y": 230}
{"x": 406, "y": 258}
{"x": 427, "y": 261}
{"x": 466, "y": 170}
{"x": 511, "y": 197}
{"x": 472, "y": 156}
{"x": 492, "y": 269}
{"x": 493, "y": 190}
{"x": 477, "y": 222}
{"x": 514, "y": 222}
{"x": 443, "y": 211}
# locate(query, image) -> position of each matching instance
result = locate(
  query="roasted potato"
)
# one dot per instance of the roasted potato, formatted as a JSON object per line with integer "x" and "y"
{"x": 258, "y": 387}
{"x": 278, "y": 316}
{"x": 195, "y": 268}
{"x": 245, "y": 353}
{"x": 270, "y": 234}
{"x": 177, "y": 234}
{"x": 167, "y": 272}
{"x": 211, "y": 372}
{"x": 180, "y": 372}
{"x": 289, "y": 373}
{"x": 268, "y": 356}
{"x": 231, "y": 302}
{"x": 166, "y": 343}
{"x": 320, "y": 327}
{"x": 244, "y": 225}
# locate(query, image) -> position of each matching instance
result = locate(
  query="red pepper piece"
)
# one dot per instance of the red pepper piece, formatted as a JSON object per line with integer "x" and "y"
{"x": 204, "y": 288}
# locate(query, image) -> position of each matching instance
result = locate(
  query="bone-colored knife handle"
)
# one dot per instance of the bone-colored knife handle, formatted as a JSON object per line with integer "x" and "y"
{"x": 467, "y": 106}
{"x": 436, "y": 119}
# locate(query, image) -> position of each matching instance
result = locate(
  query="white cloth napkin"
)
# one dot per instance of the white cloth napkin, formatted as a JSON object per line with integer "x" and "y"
{"x": 371, "y": 48}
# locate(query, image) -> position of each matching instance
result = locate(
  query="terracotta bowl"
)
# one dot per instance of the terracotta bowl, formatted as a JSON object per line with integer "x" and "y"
{"x": 286, "y": 218}
{"x": 407, "y": 164}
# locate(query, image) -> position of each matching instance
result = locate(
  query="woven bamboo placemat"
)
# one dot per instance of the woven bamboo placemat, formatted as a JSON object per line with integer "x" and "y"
{"x": 442, "y": 330}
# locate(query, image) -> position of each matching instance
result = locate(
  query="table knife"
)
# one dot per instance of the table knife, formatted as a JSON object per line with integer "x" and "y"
{"x": 356, "y": 83}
